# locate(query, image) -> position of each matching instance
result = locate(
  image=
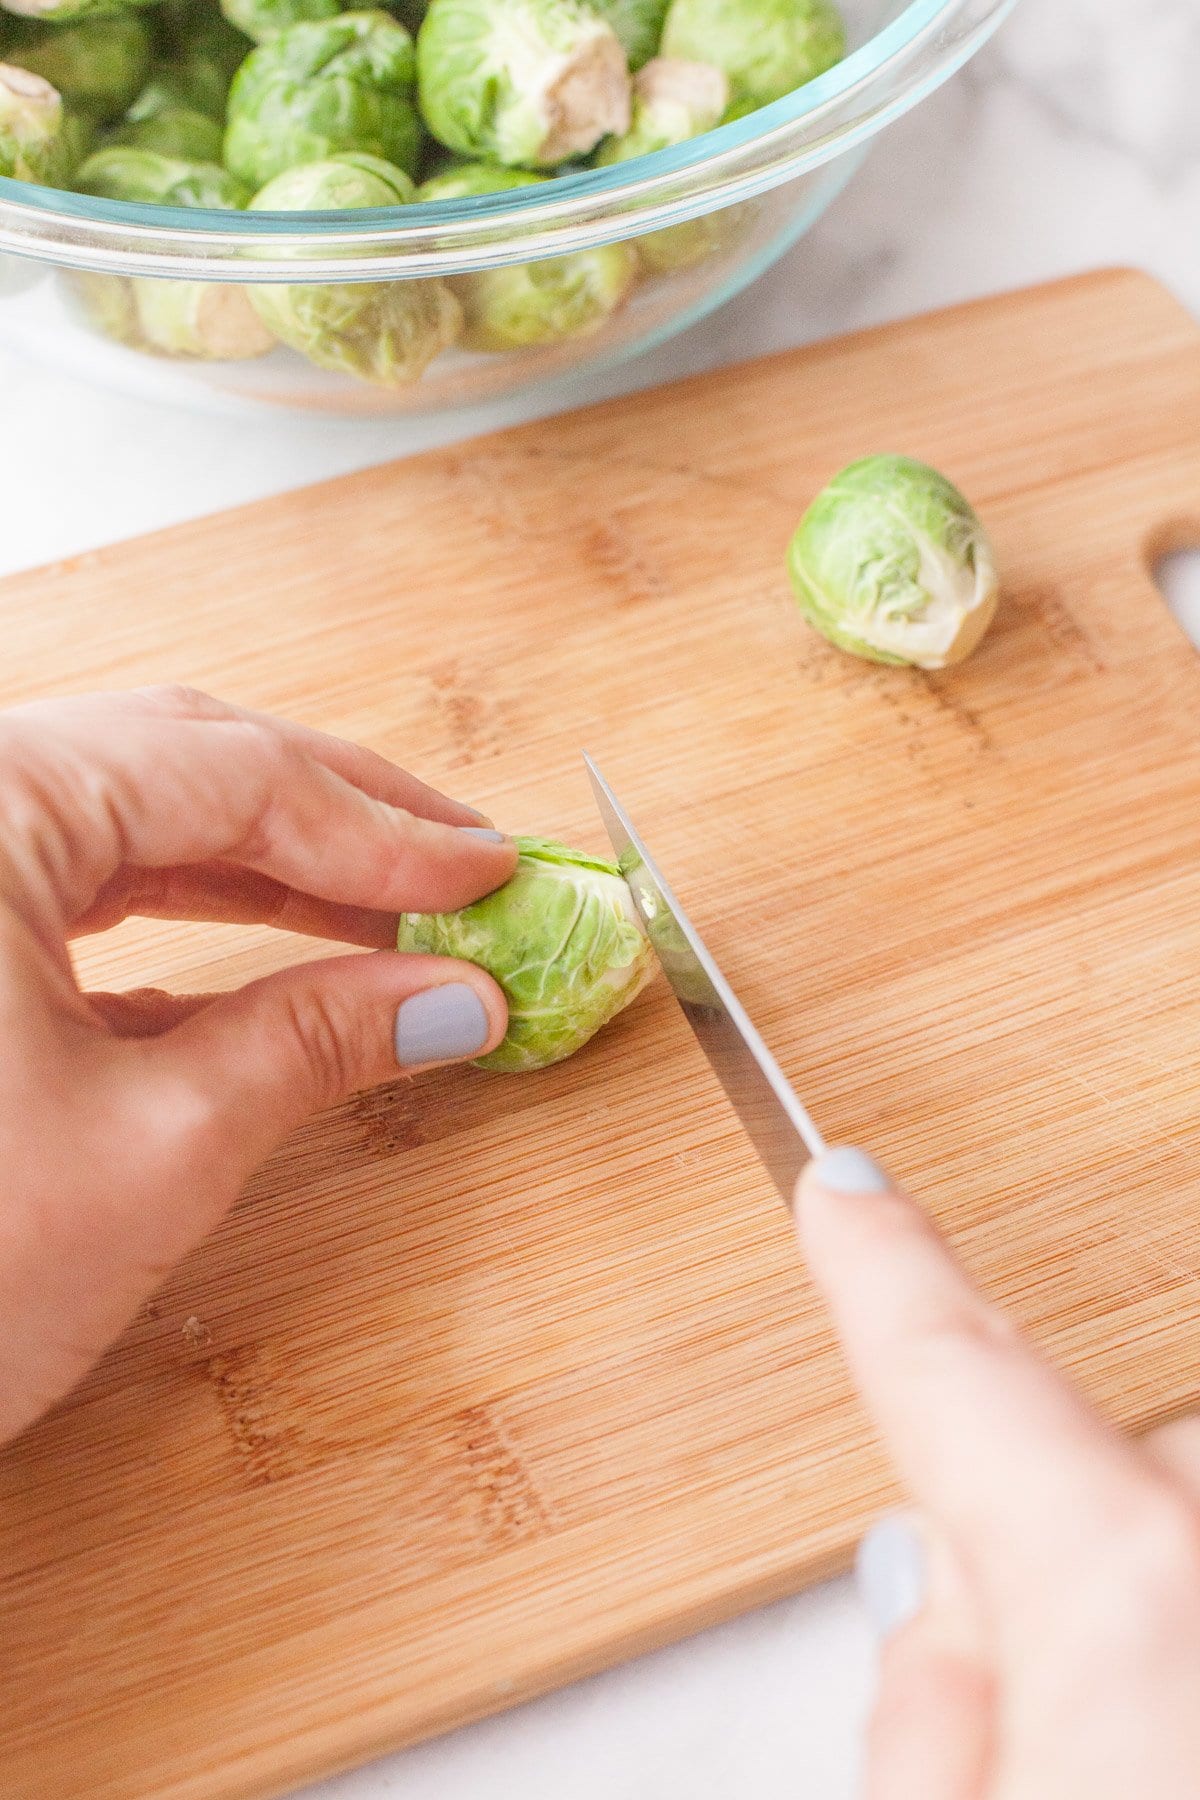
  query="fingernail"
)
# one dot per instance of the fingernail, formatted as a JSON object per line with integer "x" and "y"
{"x": 890, "y": 1573}
{"x": 484, "y": 832}
{"x": 476, "y": 814}
{"x": 441, "y": 1025}
{"x": 846, "y": 1171}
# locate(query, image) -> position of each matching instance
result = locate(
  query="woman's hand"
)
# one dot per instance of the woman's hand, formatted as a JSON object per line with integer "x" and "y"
{"x": 129, "y": 1124}
{"x": 1047, "y": 1603}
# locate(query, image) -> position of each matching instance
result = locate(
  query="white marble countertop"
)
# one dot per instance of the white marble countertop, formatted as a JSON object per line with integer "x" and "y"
{"x": 1073, "y": 141}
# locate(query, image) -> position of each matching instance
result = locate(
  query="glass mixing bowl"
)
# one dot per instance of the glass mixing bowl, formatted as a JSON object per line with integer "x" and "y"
{"x": 704, "y": 220}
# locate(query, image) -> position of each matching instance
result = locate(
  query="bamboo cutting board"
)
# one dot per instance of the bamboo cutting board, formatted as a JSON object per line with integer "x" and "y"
{"x": 492, "y": 1381}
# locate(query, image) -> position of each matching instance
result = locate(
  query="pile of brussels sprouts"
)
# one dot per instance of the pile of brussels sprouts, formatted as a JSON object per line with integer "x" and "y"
{"x": 305, "y": 105}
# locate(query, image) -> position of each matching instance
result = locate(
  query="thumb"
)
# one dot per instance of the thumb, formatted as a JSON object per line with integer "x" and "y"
{"x": 262, "y": 1060}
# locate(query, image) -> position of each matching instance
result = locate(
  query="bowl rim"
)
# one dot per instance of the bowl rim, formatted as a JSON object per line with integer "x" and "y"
{"x": 897, "y": 67}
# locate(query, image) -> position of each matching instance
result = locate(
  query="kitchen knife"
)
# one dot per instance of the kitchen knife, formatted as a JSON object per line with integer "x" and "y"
{"x": 766, "y": 1103}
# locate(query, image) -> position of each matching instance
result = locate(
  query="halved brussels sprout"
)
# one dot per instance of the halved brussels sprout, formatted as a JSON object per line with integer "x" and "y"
{"x": 766, "y": 47}
{"x": 564, "y": 941}
{"x": 33, "y": 141}
{"x": 97, "y": 65}
{"x": 387, "y": 332}
{"x": 891, "y": 563}
{"x": 524, "y": 82}
{"x": 178, "y": 131}
{"x": 637, "y": 23}
{"x": 322, "y": 88}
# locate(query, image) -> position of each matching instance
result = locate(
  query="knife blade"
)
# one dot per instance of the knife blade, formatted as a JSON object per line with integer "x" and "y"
{"x": 769, "y": 1108}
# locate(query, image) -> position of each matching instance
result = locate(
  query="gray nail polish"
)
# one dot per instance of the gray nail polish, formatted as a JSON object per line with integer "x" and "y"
{"x": 890, "y": 1573}
{"x": 484, "y": 832}
{"x": 440, "y": 1025}
{"x": 846, "y": 1171}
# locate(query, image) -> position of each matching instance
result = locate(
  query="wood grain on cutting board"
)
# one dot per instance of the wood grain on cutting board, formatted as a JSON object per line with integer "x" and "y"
{"x": 491, "y": 1381}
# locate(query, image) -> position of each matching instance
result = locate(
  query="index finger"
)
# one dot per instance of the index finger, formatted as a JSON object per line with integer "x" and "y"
{"x": 162, "y": 793}
{"x": 364, "y": 769}
{"x": 992, "y": 1441}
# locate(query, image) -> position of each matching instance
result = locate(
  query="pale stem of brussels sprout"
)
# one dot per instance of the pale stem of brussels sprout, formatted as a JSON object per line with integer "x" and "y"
{"x": 27, "y": 86}
{"x": 33, "y": 142}
{"x": 210, "y": 320}
{"x": 697, "y": 90}
{"x": 585, "y": 97}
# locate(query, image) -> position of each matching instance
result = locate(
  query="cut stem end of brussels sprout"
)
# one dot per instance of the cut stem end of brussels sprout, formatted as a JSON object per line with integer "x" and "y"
{"x": 584, "y": 98}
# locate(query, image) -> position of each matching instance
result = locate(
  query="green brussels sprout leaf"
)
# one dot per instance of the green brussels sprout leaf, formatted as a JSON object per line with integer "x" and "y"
{"x": 563, "y": 940}
{"x": 124, "y": 172}
{"x": 178, "y": 131}
{"x": 263, "y": 19}
{"x": 322, "y": 88}
{"x": 638, "y": 25}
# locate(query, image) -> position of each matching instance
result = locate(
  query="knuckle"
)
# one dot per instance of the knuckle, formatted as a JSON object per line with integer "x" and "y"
{"x": 178, "y": 700}
{"x": 957, "y": 1333}
{"x": 271, "y": 766}
{"x": 330, "y": 1042}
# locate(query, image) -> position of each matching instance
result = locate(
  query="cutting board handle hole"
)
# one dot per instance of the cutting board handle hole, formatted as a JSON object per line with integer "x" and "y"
{"x": 1177, "y": 572}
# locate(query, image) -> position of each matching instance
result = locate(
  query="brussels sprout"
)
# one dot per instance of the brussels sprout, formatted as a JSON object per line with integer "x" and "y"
{"x": 214, "y": 321}
{"x": 33, "y": 141}
{"x": 387, "y": 332}
{"x": 172, "y": 87}
{"x": 523, "y": 82}
{"x": 517, "y": 307}
{"x": 891, "y": 563}
{"x": 210, "y": 320}
{"x": 766, "y": 47}
{"x": 123, "y": 173}
{"x": 263, "y": 19}
{"x": 637, "y": 23}
{"x": 107, "y": 303}
{"x": 673, "y": 101}
{"x": 97, "y": 65}
{"x": 526, "y": 304}
{"x": 469, "y": 180}
{"x": 563, "y": 940}
{"x": 322, "y": 88}
{"x": 178, "y": 131}
{"x": 204, "y": 53}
